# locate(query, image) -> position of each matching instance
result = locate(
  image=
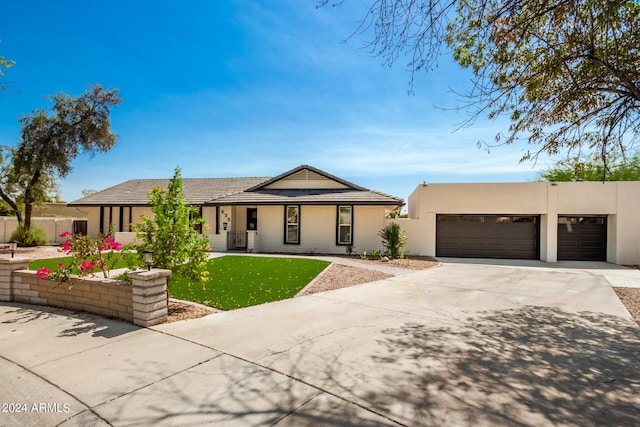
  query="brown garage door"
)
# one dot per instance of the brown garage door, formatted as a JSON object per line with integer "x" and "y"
{"x": 487, "y": 236}
{"x": 582, "y": 238}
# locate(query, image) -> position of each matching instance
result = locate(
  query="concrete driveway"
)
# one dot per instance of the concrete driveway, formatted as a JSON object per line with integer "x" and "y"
{"x": 460, "y": 344}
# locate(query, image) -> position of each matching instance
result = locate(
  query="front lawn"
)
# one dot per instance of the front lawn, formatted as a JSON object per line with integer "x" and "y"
{"x": 243, "y": 281}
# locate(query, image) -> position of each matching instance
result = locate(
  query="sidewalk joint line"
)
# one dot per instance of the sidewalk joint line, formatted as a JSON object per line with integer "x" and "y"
{"x": 86, "y": 406}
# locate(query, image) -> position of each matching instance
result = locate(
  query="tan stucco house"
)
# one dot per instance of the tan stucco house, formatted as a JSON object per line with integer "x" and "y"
{"x": 304, "y": 210}
{"x": 550, "y": 221}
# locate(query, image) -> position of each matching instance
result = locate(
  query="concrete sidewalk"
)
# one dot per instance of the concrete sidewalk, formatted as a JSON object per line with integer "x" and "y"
{"x": 459, "y": 344}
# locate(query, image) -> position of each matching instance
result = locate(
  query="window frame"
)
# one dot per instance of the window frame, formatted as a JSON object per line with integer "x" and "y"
{"x": 287, "y": 224}
{"x": 339, "y": 226}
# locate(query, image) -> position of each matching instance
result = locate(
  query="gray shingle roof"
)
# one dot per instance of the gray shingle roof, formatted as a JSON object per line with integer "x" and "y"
{"x": 239, "y": 191}
{"x": 309, "y": 197}
{"x": 196, "y": 190}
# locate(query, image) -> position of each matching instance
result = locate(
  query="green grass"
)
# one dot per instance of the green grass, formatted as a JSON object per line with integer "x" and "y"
{"x": 51, "y": 263}
{"x": 243, "y": 281}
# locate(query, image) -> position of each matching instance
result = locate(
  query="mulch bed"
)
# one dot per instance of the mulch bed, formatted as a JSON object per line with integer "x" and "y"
{"x": 183, "y": 311}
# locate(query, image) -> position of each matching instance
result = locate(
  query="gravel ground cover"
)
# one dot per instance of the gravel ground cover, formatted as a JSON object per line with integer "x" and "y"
{"x": 630, "y": 297}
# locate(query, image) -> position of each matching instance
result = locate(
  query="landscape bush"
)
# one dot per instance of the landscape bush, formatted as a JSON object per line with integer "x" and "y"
{"x": 29, "y": 237}
{"x": 394, "y": 239}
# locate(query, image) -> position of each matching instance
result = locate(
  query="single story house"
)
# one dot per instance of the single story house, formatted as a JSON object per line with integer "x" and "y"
{"x": 549, "y": 221}
{"x": 304, "y": 210}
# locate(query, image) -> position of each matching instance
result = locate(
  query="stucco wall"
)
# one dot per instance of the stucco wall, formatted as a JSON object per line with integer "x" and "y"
{"x": 369, "y": 220}
{"x": 318, "y": 229}
{"x": 217, "y": 242}
{"x": 414, "y": 230}
{"x": 627, "y": 223}
{"x": 587, "y": 198}
{"x": 512, "y": 198}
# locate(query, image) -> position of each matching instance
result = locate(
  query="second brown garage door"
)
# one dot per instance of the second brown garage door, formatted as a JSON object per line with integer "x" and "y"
{"x": 582, "y": 238}
{"x": 487, "y": 236}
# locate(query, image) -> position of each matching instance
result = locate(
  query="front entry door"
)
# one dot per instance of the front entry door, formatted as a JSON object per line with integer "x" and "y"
{"x": 252, "y": 219}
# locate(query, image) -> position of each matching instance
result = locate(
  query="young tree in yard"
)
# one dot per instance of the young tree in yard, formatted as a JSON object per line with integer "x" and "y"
{"x": 51, "y": 140}
{"x": 171, "y": 232}
{"x": 591, "y": 170}
{"x": 565, "y": 72}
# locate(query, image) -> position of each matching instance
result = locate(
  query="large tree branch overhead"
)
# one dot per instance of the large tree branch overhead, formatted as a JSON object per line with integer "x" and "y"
{"x": 557, "y": 68}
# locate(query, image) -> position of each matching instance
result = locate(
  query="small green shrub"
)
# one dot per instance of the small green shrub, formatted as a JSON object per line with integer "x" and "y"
{"x": 33, "y": 236}
{"x": 393, "y": 239}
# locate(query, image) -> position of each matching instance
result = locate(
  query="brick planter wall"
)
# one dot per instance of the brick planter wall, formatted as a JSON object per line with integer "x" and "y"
{"x": 101, "y": 296}
{"x": 143, "y": 301}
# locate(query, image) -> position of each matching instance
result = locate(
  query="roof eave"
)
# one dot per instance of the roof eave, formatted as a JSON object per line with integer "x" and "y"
{"x": 306, "y": 203}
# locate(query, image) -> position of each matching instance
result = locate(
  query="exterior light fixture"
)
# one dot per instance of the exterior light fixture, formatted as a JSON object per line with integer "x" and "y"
{"x": 12, "y": 247}
{"x": 147, "y": 255}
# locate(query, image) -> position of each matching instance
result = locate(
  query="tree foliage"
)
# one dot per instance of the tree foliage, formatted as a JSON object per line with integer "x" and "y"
{"x": 4, "y": 64}
{"x": 171, "y": 232}
{"x": 13, "y": 184}
{"x": 51, "y": 140}
{"x": 565, "y": 72}
{"x": 593, "y": 170}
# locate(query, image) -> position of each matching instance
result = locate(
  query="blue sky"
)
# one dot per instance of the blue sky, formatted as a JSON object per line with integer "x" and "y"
{"x": 244, "y": 88}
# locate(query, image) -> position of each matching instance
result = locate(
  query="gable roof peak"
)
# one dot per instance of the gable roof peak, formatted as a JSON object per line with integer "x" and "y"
{"x": 309, "y": 168}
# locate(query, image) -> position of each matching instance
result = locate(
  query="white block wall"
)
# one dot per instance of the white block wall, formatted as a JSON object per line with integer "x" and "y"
{"x": 51, "y": 226}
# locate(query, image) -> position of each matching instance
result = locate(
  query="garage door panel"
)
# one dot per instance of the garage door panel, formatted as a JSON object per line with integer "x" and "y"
{"x": 488, "y": 236}
{"x": 582, "y": 238}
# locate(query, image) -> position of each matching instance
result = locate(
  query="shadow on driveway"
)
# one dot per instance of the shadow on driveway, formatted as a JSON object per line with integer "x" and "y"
{"x": 81, "y": 322}
{"x": 530, "y": 365}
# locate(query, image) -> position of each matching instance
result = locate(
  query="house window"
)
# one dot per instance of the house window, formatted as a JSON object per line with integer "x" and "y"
{"x": 292, "y": 226}
{"x": 345, "y": 225}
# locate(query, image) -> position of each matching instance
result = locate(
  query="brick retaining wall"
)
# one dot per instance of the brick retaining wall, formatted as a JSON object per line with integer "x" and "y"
{"x": 101, "y": 296}
{"x": 143, "y": 301}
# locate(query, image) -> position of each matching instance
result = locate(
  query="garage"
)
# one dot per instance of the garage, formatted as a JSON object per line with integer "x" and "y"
{"x": 582, "y": 238}
{"x": 488, "y": 236}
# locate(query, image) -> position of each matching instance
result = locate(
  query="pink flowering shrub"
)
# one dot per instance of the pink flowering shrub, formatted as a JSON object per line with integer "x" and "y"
{"x": 43, "y": 273}
{"x": 87, "y": 257}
